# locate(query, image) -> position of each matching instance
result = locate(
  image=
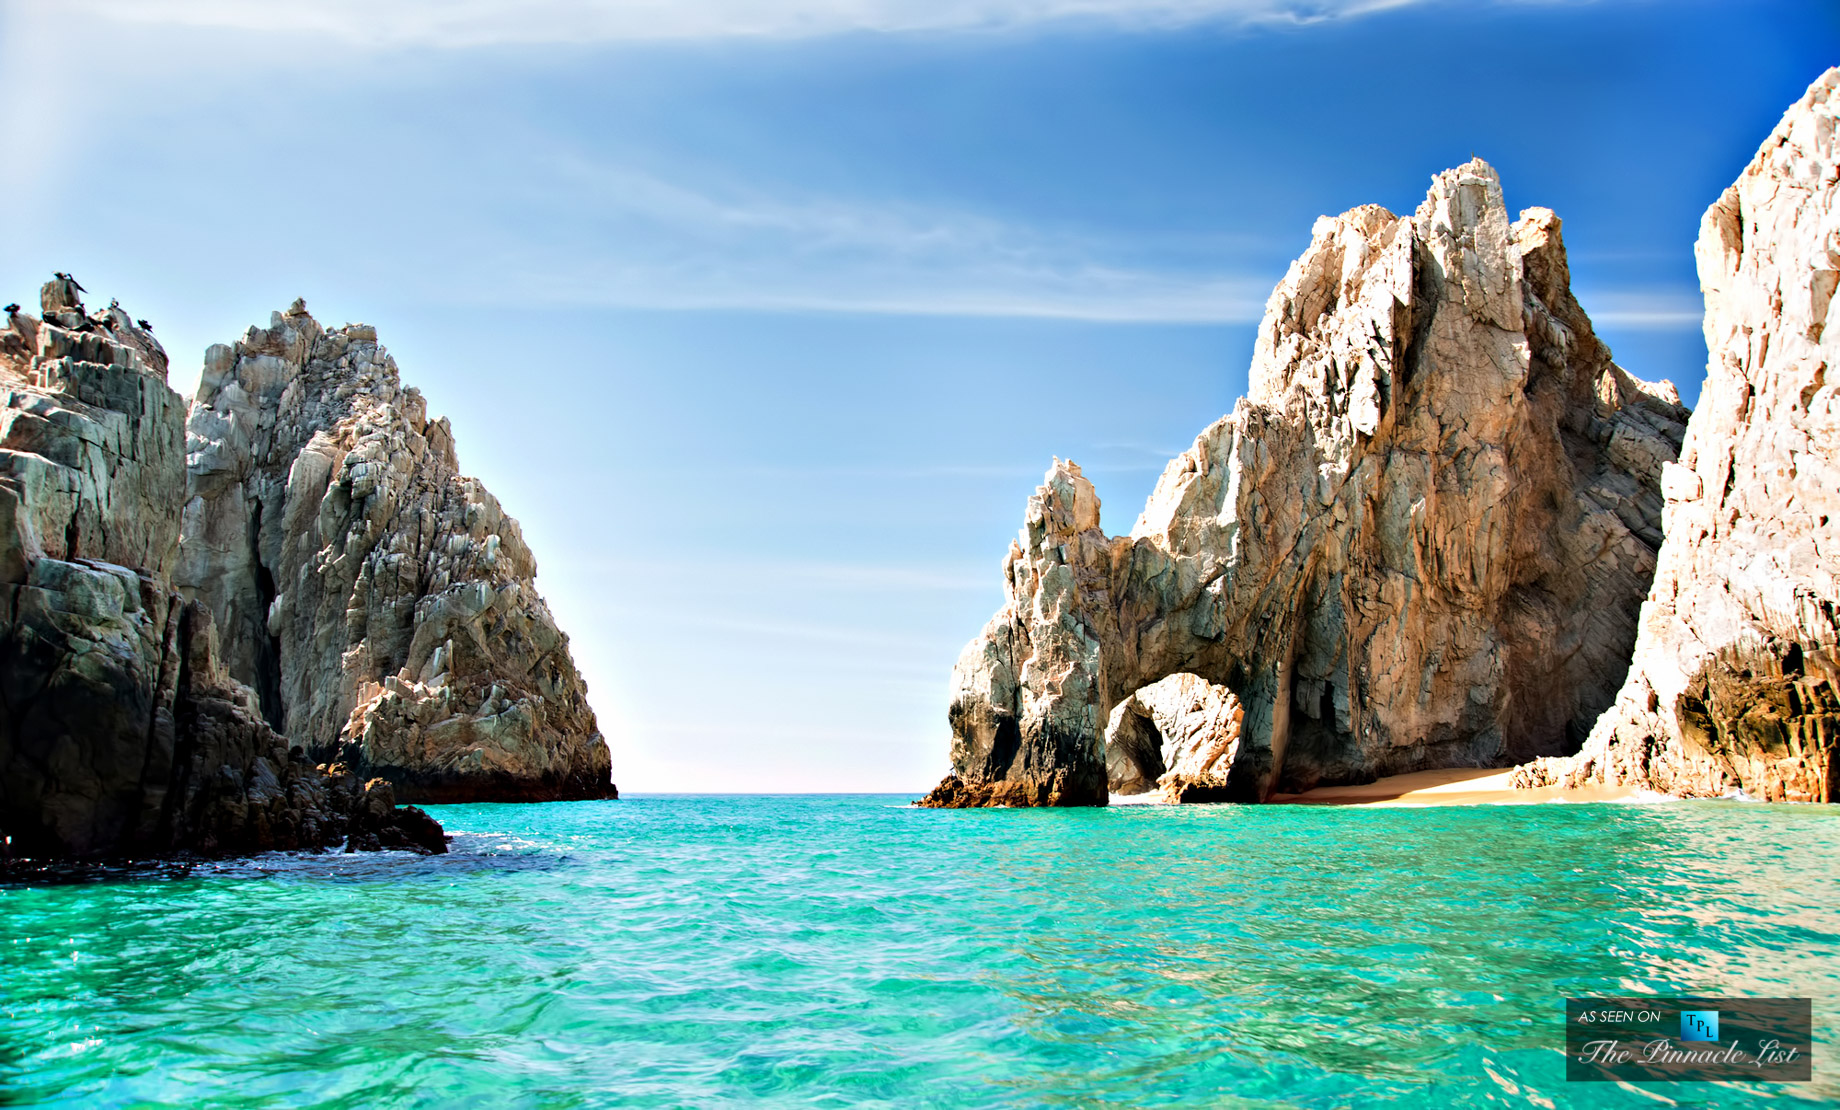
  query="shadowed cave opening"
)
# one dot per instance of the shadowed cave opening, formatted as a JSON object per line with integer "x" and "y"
{"x": 1134, "y": 752}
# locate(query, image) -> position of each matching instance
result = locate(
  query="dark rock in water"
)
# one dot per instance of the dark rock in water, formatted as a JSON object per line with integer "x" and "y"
{"x": 377, "y": 824}
{"x": 121, "y": 733}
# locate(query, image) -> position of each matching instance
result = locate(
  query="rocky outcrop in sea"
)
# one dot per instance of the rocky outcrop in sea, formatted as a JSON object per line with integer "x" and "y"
{"x": 1422, "y": 540}
{"x": 1735, "y": 683}
{"x": 382, "y": 604}
{"x": 258, "y": 625}
{"x": 120, "y": 731}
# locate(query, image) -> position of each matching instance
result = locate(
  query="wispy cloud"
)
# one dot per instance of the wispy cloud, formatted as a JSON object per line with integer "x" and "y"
{"x": 1645, "y": 309}
{"x": 639, "y": 240}
{"x": 787, "y": 574}
{"x": 469, "y": 23}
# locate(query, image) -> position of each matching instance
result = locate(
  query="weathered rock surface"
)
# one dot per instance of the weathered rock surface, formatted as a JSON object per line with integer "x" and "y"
{"x": 1420, "y": 541}
{"x": 120, "y": 733}
{"x": 1178, "y": 735}
{"x": 1736, "y": 677}
{"x": 381, "y": 604}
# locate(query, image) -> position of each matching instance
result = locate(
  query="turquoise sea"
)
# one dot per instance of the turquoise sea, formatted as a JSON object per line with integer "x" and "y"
{"x": 852, "y": 951}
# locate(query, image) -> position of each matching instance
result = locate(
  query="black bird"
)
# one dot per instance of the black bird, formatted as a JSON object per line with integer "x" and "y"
{"x": 145, "y": 326}
{"x": 12, "y": 310}
{"x": 76, "y": 283}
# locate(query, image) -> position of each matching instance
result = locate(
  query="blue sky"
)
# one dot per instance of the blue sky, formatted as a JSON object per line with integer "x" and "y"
{"x": 765, "y": 316}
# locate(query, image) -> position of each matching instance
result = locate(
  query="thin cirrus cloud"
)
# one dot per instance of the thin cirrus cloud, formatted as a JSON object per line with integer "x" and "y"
{"x": 639, "y": 241}
{"x": 1645, "y": 309}
{"x": 471, "y": 23}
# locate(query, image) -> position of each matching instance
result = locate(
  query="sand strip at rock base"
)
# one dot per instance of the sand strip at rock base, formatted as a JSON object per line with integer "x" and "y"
{"x": 1458, "y": 787}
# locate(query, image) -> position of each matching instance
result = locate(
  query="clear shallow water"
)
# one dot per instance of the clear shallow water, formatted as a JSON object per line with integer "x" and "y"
{"x": 845, "y": 951}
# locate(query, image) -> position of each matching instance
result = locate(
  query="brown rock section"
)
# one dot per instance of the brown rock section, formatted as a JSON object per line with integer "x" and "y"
{"x": 120, "y": 734}
{"x": 1736, "y": 677}
{"x": 382, "y": 604}
{"x": 1420, "y": 541}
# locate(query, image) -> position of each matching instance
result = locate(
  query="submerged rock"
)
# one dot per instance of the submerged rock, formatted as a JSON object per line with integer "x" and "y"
{"x": 382, "y": 604}
{"x": 120, "y": 731}
{"x": 1736, "y": 675}
{"x": 1420, "y": 541}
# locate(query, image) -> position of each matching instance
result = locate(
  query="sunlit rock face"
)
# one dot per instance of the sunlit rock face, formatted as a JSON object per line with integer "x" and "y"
{"x": 1422, "y": 539}
{"x": 1178, "y": 737}
{"x": 119, "y": 734}
{"x": 381, "y": 604}
{"x": 1736, "y": 677}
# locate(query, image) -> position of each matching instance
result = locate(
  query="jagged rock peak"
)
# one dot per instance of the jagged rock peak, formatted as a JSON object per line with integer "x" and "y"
{"x": 1421, "y": 540}
{"x": 119, "y": 732}
{"x": 1735, "y": 682}
{"x": 382, "y": 604}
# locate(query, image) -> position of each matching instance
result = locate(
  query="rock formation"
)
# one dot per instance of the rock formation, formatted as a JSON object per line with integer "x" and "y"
{"x": 1178, "y": 735}
{"x": 1736, "y": 677}
{"x": 1420, "y": 541}
{"x": 119, "y": 732}
{"x": 381, "y": 604}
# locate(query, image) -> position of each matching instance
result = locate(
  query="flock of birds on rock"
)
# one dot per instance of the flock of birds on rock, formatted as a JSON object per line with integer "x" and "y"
{"x": 12, "y": 310}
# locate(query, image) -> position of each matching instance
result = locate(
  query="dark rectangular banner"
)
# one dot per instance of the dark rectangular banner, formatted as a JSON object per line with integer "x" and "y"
{"x": 1671, "y": 1040}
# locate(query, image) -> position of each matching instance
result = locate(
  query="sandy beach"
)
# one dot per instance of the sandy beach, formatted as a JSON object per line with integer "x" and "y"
{"x": 1455, "y": 787}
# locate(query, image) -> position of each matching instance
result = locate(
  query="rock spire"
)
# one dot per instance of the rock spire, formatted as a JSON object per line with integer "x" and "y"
{"x": 382, "y": 604}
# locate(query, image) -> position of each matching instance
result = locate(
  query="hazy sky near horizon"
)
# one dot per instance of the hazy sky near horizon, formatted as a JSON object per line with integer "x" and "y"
{"x": 764, "y": 317}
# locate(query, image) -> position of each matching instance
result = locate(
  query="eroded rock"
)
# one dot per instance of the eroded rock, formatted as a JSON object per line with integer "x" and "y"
{"x": 1179, "y": 736}
{"x": 120, "y": 732}
{"x": 1736, "y": 676}
{"x": 382, "y": 604}
{"x": 1420, "y": 541}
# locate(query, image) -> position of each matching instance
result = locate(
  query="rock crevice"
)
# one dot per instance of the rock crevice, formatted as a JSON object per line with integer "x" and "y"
{"x": 1735, "y": 683}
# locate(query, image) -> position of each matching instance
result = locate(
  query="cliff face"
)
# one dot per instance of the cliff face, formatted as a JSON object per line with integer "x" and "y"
{"x": 1421, "y": 540}
{"x": 1736, "y": 677}
{"x": 118, "y": 731}
{"x": 380, "y": 603}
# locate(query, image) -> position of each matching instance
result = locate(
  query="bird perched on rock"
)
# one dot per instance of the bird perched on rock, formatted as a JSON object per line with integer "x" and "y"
{"x": 143, "y": 325}
{"x": 12, "y": 310}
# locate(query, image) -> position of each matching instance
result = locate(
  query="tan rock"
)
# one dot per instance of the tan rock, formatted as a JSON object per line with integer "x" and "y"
{"x": 1178, "y": 736}
{"x": 1420, "y": 541}
{"x": 382, "y": 604}
{"x": 1736, "y": 677}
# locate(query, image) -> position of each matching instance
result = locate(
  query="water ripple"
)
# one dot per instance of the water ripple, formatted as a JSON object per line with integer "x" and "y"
{"x": 850, "y": 951}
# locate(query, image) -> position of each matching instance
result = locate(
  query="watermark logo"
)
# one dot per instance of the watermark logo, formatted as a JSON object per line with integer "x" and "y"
{"x": 1699, "y": 1025}
{"x": 1633, "y": 1039}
